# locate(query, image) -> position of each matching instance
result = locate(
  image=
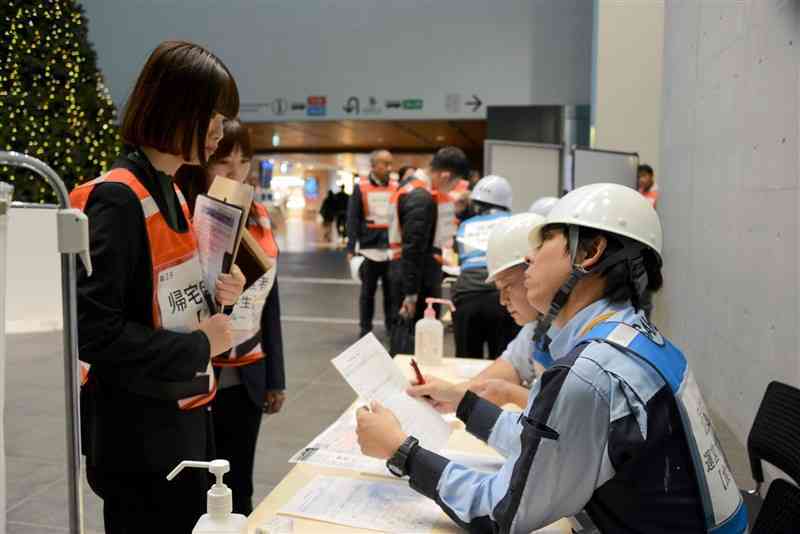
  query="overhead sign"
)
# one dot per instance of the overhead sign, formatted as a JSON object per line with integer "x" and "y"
{"x": 317, "y": 106}
{"x": 352, "y": 106}
{"x": 475, "y": 103}
{"x": 412, "y": 103}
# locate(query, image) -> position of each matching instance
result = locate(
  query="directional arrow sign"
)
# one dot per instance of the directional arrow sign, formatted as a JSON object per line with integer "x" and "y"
{"x": 475, "y": 103}
{"x": 352, "y": 105}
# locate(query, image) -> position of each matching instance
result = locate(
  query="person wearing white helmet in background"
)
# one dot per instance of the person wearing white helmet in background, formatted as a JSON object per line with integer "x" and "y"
{"x": 507, "y": 379}
{"x": 615, "y": 426}
{"x": 543, "y": 206}
{"x": 479, "y": 319}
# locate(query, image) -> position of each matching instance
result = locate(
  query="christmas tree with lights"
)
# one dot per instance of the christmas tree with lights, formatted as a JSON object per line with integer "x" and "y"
{"x": 53, "y": 103}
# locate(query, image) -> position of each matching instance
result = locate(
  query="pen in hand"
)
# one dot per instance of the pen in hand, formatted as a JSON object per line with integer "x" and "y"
{"x": 420, "y": 378}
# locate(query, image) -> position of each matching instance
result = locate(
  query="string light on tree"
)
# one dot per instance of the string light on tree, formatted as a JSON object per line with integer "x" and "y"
{"x": 53, "y": 102}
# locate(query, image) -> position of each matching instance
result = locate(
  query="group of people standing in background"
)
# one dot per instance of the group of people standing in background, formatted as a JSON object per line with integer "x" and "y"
{"x": 404, "y": 229}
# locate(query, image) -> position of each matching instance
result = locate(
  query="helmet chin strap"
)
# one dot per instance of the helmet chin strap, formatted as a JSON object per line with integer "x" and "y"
{"x": 636, "y": 272}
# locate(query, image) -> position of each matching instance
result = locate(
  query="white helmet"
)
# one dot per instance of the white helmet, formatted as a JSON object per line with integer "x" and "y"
{"x": 614, "y": 208}
{"x": 508, "y": 243}
{"x": 494, "y": 190}
{"x": 543, "y": 206}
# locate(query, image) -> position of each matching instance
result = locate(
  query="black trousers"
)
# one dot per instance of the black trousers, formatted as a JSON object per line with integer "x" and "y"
{"x": 236, "y": 423}
{"x": 431, "y": 285}
{"x": 136, "y": 502}
{"x": 480, "y": 319}
{"x": 371, "y": 272}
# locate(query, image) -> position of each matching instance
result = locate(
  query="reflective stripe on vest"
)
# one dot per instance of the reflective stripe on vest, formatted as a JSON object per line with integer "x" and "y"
{"x": 179, "y": 294}
{"x": 722, "y": 503}
{"x": 395, "y": 232}
{"x": 376, "y": 202}
{"x": 446, "y": 222}
{"x": 246, "y": 316}
{"x": 472, "y": 239}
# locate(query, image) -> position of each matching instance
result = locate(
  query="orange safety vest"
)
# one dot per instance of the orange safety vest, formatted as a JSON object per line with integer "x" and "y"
{"x": 395, "y": 232}
{"x": 376, "y": 201}
{"x": 446, "y": 222}
{"x": 246, "y": 316}
{"x": 180, "y": 298}
{"x": 461, "y": 187}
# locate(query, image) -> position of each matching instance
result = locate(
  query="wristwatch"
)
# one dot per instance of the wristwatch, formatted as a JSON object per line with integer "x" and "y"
{"x": 397, "y": 463}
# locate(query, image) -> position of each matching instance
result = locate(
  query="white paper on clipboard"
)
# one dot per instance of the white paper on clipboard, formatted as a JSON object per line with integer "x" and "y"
{"x": 217, "y": 227}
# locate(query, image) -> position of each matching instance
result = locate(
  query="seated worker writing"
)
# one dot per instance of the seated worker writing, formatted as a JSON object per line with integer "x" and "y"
{"x": 505, "y": 380}
{"x": 616, "y": 425}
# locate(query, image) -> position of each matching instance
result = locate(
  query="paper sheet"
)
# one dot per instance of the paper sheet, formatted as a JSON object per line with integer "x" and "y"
{"x": 337, "y": 446}
{"x": 372, "y": 373}
{"x": 375, "y": 505}
{"x": 216, "y": 225}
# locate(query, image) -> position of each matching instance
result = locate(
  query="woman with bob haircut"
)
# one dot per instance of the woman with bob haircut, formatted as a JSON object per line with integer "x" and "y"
{"x": 147, "y": 324}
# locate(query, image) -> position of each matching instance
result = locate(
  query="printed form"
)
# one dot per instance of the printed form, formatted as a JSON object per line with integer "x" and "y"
{"x": 372, "y": 373}
{"x": 374, "y": 505}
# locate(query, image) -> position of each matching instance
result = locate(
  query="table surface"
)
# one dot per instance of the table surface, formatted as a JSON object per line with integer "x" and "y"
{"x": 301, "y": 474}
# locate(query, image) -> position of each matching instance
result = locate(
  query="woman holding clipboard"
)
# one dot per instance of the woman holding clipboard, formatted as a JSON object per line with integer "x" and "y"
{"x": 251, "y": 376}
{"x": 145, "y": 324}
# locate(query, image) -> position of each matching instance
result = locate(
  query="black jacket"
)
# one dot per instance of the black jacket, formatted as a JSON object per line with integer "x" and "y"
{"x": 121, "y": 430}
{"x": 269, "y": 373}
{"x": 417, "y": 217}
{"x": 357, "y": 230}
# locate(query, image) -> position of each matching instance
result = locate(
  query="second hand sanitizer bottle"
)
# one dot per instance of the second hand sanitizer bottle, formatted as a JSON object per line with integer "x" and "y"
{"x": 429, "y": 334}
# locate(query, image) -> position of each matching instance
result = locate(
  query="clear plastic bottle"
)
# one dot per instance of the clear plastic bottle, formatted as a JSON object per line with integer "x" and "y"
{"x": 429, "y": 334}
{"x": 219, "y": 519}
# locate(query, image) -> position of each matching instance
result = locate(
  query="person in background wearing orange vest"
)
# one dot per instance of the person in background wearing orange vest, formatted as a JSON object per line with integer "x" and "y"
{"x": 647, "y": 184}
{"x": 146, "y": 321}
{"x": 368, "y": 234}
{"x": 423, "y": 223}
{"x": 252, "y": 378}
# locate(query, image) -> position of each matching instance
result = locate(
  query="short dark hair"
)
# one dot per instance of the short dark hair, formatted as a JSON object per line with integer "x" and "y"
{"x": 618, "y": 287}
{"x": 453, "y": 159}
{"x": 645, "y": 168}
{"x": 235, "y": 134}
{"x": 193, "y": 179}
{"x": 402, "y": 171}
{"x": 180, "y": 88}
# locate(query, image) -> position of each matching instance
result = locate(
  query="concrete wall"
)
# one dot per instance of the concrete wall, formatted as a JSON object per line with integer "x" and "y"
{"x": 629, "y": 46}
{"x": 730, "y": 196}
{"x": 514, "y": 52}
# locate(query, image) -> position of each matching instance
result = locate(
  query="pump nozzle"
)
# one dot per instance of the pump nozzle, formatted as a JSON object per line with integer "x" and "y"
{"x": 220, "y": 498}
{"x": 431, "y": 301}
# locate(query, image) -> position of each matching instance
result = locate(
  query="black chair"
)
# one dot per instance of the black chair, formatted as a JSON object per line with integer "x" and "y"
{"x": 780, "y": 513}
{"x": 775, "y": 438}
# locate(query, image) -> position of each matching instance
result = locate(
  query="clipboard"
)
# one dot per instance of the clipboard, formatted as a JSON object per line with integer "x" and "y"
{"x": 252, "y": 259}
{"x": 236, "y": 194}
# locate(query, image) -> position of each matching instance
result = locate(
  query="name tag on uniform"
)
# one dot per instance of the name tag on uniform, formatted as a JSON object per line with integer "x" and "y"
{"x": 182, "y": 296}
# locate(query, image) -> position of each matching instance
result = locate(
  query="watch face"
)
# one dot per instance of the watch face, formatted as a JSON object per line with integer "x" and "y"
{"x": 396, "y": 471}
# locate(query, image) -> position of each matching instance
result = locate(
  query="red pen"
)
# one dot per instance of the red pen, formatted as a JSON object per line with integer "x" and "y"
{"x": 420, "y": 380}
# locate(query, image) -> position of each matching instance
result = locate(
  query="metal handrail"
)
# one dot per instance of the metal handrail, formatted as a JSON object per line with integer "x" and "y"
{"x": 71, "y": 366}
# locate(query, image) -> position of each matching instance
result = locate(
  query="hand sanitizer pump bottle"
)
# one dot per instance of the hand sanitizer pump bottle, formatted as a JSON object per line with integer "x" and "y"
{"x": 429, "y": 334}
{"x": 219, "y": 519}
